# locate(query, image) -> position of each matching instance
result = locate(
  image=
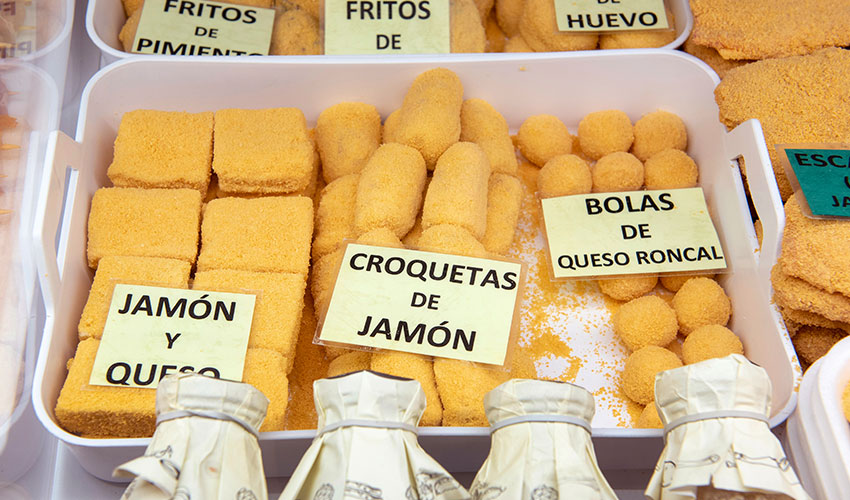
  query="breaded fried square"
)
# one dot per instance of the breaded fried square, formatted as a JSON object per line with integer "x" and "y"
{"x": 144, "y": 223}
{"x": 163, "y": 149}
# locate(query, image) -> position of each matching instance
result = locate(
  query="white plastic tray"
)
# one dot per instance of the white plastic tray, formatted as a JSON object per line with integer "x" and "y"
{"x": 818, "y": 433}
{"x": 34, "y": 104}
{"x": 518, "y": 87}
{"x": 105, "y": 18}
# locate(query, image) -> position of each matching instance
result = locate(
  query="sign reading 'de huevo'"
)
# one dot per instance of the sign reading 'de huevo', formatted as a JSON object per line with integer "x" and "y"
{"x": 387, "y": 27}
{"x": 822, "y": 172}
{"x": 636, "y": 232}
{"x": 610, "y": 15}
{"x": 435, "y": 304}
{"x": 152, "y": 331}
{"x": 203, "y": 28}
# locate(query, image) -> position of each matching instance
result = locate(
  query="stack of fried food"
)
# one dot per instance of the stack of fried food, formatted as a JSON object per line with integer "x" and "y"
{"x": 811, "y": 282}
{"x": 728, "y": 33}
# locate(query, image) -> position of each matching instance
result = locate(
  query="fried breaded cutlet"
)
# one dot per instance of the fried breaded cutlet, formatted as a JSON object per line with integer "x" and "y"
{"x": 794, "y": 293}
{"x": 799, "y": 99}
{"x": 712, "y": 58}
{"x": 762, "y": 30}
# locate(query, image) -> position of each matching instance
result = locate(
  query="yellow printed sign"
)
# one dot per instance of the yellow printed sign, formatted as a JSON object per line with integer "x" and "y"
{"x": 387, "y": 27}
{"x": 203, "y": 28}
{"x": 153, "y": 331}
{"x": 442, "y": 305}
{"x": 636, "y": 232}
{"x": 610, "y": 15}
{"x": 19, "y": 28}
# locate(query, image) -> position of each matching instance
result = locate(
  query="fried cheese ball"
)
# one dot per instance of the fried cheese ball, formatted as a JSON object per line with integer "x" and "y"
{"x": 604, "y": 132}
{"x": 626, "y": 289}
{"x": 670, "y": 169}
{"x": 346, "y": 136}
{"x": 675, "y": 282}
{"x": 639, "y": 373}
{"x": 508, "y": 13}
{"x": 649, "y": 418}
{"x": 467, "y": 30}
{"x": 504, "y": 200}
{"x": 617, "y": 172}
{"x": 658, "y": 131}
{"x": 351, "y": 361}
{"x": 812, "y": 343}
{"x": 710, "y": 341}
{"x": 335, "y": 215}
{"x": 538, "y": 27}
{"x": 564, "y": 175}
{"x": 457, "y": 193}
{"x": 295, "y": 33}
{"x": 482, "y": 124}
{"x": 448, "y": 238}
{"x": 429, "y": 120}
{"x": 419, "y": 368}
{"x": 644, "y": 321}
{"x": 543, "y": 137}
{"x": 389, "y": 192}
{"x": 700, "y": 302}
{"x": 517, "y": 44}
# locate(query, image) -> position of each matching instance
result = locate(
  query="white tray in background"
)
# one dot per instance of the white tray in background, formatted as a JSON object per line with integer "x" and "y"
{"x": 636, "y": 81}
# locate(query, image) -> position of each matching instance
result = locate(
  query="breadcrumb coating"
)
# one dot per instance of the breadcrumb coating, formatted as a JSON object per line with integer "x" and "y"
{"x": 495, "y": 36}
{"x": 335, "y": 215}
{"x": 448, "y": 238}
{"x": 710, "y": 341}
{"x": 351, "y": 361}
{"x": 389, "y": 192}
{"x": 381, "y": 237}
{"x": 322, "y": 280}
{"x": 346, "y": 135}
{"x": 538, "y": 27}
{"x": 508, "y": 13}
{"x": 794, "y": 293}
{"x": 416, "y": 367}
{"x": 812, "y": 342}
{"x": 699, "y": 302}
{"x": 295, "y": 33}
{"x": 127, "y": 35}
{"x": 310, "y": 365}
{"x": 811, "y": 319}
{"x": 763, "y": 30}
{"x": 803, "y": 99}
{"x": 626, "y": 289}
{"x": 462, "y": 386}
{"x": 649, "y": 418}
{"x": 675, "y": 347}
{"x": 504, "y": 200}
{"x": 543, "y": 137}
{"x": 605, "y": 132}
{"x": 482, "y": 124}
{"x": 517, "y": 44}
{"x": 617, "y": 172}
{"x": 311, "y": 6}
{"x": 429, "y": 120}
{"x": 467, "y": 30}
{"x": 484, "y": 7}
{"x": 457, "y": 193}
{"x": 712, "y": 58}
{"x": 564, "y": 175}
{"x": 809, "y": 250}
{"x": 390, "y": 132}
{"x": 638, "y": 378}
{"x": 144, "y": 223}
{"x": 670, "y": 169}
{"x": 644, "y": 321}
{"x": 675, "y": 282}
{"x": 657, "y": 131}
{"x": 639, "y": 39}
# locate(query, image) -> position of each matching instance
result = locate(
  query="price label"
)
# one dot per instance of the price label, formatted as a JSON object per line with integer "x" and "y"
{"x": 636, "y": 232}
{"x": 428, "y": 303}
{"x": 822, "y": 172}
{"x": 202, "y": 28}
{"x": 153, "y": 331}
{"x": 611, "y": 15}
{"x": 387, "y": 27}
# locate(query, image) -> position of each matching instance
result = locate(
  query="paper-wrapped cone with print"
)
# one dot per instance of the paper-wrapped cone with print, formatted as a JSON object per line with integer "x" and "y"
{"x": 718, "y": 442}
{"x": 205, "y": 444}
{"x": 366, "y": 447}
{"x": 541, "y": 447}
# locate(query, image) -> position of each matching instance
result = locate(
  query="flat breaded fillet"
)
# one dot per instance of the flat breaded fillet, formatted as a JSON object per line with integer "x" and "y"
{"x": 712, "y": 58}
{"x": 777, "y": 28}
{"x": 812, "y": 319}
{"x": 814, "y": 250}
{"x": 797, "y": 294}
{"x": 797, "y": 100}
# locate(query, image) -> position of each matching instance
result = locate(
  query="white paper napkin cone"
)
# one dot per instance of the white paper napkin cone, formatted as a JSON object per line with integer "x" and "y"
{"x": 734, "y": 453}
{"x": 366, "y": 448}
{"x": 209, "y": 451}
{"x": 545, "y": 452}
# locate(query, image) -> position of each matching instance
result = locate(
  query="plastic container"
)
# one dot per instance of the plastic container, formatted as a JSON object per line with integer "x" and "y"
{"x": 818, "y": 434}
{"x": 33, "y": 102}
{"x": 518, "y": 87}
{"x": 104, "y": 19}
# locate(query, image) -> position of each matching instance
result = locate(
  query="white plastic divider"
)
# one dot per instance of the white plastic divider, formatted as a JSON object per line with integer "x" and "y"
{"x": 53, "y": 57}
{"x": 518, "y": 87}
{"x": 105, "y": 18}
